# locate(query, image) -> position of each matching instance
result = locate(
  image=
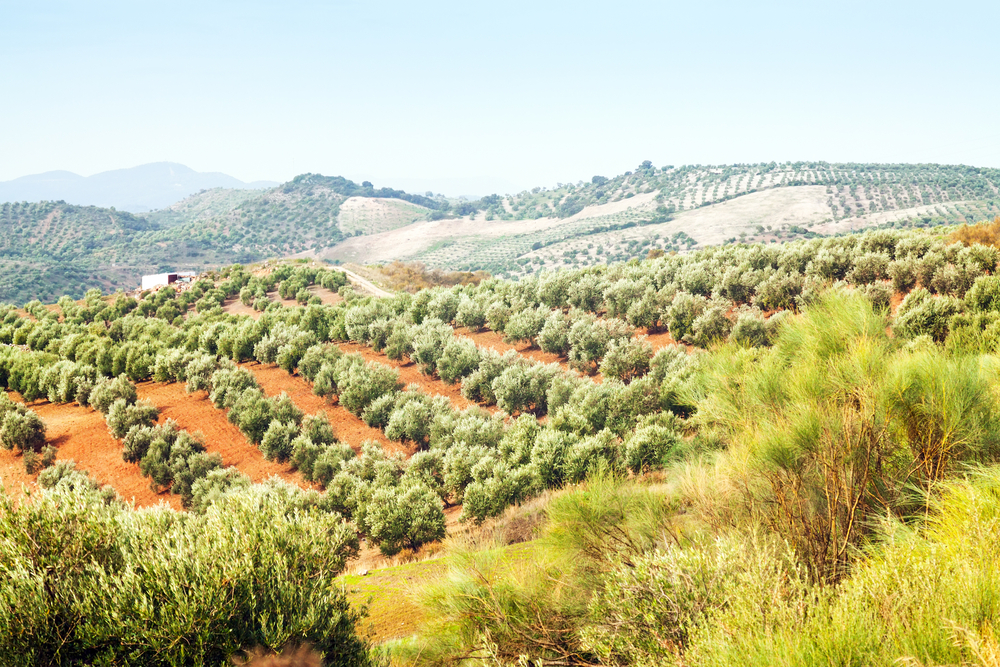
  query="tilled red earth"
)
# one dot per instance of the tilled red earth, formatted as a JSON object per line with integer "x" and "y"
{"x": 82, "y": 435}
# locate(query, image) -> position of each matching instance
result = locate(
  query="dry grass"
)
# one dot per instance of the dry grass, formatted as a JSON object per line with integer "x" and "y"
{"x": 983, "y": 233}
{"x": 415, "y": 276}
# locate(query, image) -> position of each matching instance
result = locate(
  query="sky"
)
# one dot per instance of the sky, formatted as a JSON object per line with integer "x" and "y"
{"x": 468, "y": 98}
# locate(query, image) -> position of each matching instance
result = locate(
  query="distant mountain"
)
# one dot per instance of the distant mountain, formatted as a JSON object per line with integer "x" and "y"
{"x": 139, "y": 189}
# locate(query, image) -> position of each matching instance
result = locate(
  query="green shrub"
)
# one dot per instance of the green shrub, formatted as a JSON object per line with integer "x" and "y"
{"x": 459, "y": 358}
{"x": 922, "y": 314}
{"x": 122, "y": 416}
{"x": 276, "y": 444}
{"x": 404, "y": 517}
{"x": 85, "y": 564}
{"x": 647, "y": 447}
{"x": 627, "y": 358}
{"x": 107, "y": 391}
{"x": 22, "y": 430}
{"x": 554, "y": 335}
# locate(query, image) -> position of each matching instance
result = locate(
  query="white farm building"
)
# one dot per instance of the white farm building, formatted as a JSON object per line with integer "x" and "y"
{"x": 161, "y": 279}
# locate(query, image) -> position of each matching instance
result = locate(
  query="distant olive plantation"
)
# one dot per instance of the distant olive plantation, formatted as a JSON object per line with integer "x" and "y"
{"x": 49, "y": 249}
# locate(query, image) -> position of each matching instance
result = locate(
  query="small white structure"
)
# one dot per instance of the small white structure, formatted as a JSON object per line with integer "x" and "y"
{"x": 161, "y": 279}
{"x": 149, "y": 282}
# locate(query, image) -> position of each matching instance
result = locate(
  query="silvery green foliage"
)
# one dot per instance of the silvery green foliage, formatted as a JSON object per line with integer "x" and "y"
{"x": 750, "y": 329}
{"x": 276, "y": 444}
{"x": 645, "y": 312}
{"x": 622, "y": 293}
{"x": 403, "y": 517}
{"x": 207, "y": 490}
{"x": 21, "y": 430}
{"x": 869, "y": 268}
{"x": 903, "y": 273}
{"x": 927, "y": 266}
{"x": 524, "y": 325}
{"x": 458, "y": 462}
{"x": 412, "y": 416}
{"x": 498, "y": 313}
{"x": 554, "y": 287}
{"x": 329, "y": 462}
{"x": 199, "y": 372}
{"x": 497, "y": 485}
{"x": 586, "y": 292}
{"x": 648, "y": 445}
{"x": 472, "y": 426}
{"x": 471, "y": 313}
{"x": 426, "y": 469}
{"x": 683, "y": 311}
{"x": 548, "y": 455}
{"x": 99, "y": 558}
{"x": 429, "y": 340}
{"x": 554, "y": 336}
{"x": 359, "y": 319}
{"x": 589, "y": 338}
{"x": 228, "y": 384}
{"x": 627, "y": 358}
{"x": 523, "y": 387}
{"x": 478, "y": 385}
{"x": 779, "y": 291}
{"x": 921, "y": 314}
{"x": 122, "y": 416}
{"x": 107, "y": 391}
{"x": 444, "y": 306}
{"x": 830, "y": 263}
{"x": 711, "y": 326}
{"x": 984, "y": 296}
{"x": 953, "y": 280}
{"x": 399, "y": 344}
{"x": 599, "y": 451}
{"x": 459, "y": 358}
{"x": 363, "y": 383}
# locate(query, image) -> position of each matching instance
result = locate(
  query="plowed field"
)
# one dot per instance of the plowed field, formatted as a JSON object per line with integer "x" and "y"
{"x": 410, "y": 374}
{"x": 348, "y": 428}
{"x": 487, "y": 338}
{"x": 196, "y": 414}
{"x": 82, "y": 435}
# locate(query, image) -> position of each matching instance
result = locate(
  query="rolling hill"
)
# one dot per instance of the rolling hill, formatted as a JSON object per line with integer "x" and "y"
{"x": 138, "y": 189}
{"x": 51, "y": 248}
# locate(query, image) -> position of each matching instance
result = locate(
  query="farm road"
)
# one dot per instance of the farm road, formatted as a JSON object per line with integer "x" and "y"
{"x": 366, "y": 284}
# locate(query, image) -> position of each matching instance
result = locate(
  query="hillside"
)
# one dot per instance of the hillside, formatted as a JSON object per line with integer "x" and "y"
{"x": 615, "y": 466}
{"x": 613, "y": 219}
{"x": 70, "y": 248}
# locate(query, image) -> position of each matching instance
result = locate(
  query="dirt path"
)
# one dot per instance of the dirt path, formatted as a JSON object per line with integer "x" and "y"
{"x": 349, "y": 429}
{"x": 410, "y": 374}
{"x": 365, "y": 283}
{"x": 82, "y": 435}
{"x": 196, "y": 414}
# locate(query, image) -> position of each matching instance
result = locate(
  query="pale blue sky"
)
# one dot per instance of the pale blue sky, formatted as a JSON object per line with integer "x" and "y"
{"x": 469, "y": 98}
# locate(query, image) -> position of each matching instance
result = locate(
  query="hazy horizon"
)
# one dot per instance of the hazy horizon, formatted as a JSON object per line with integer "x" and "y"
{"x": 468, "y": 100}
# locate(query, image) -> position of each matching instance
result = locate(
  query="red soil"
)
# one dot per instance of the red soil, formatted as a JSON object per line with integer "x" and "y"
{"x": 82, "y": 435}
{"x": 349, "y": 429}
{"x": 410, "y": 374}
{"x": 487, "y": 338}
{"x": 196, "y": 414}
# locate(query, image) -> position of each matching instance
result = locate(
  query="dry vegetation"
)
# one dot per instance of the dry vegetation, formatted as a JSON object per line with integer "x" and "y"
{"x": 415, "y": 276}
